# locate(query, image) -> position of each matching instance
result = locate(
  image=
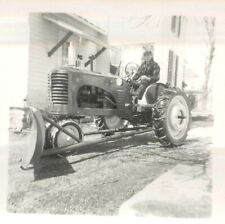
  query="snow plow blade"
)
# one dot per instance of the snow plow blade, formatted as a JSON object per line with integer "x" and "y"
{"x": 35, "y": 140}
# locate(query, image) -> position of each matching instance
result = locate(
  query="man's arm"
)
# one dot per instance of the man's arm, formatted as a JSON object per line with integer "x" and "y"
{"x": 155, "y": 74}
{"x": 138, "y": 73}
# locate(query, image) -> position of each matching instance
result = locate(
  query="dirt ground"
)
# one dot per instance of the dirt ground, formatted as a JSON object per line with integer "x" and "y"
{"x": 99, "y": 178}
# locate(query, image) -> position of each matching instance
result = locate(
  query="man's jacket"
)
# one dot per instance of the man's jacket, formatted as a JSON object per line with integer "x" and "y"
{"x": 150, "y": 69}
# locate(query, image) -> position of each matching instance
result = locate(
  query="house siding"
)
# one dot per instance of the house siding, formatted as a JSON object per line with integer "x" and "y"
{"x": 43, "y": 36}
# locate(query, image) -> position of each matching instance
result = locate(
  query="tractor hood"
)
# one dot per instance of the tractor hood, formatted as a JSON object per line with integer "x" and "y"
{"x": 77, "y": 91}
{"x": 75, "y": 70}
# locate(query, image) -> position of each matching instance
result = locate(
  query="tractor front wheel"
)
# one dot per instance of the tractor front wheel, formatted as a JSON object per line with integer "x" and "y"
{"x": 109, "y": 122}
{"x": 56, "y": 138}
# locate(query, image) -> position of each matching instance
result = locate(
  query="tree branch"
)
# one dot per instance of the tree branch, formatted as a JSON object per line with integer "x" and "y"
{"x": 145, "y": 19}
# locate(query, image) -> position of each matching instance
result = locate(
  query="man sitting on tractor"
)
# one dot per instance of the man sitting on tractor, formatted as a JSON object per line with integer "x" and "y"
{"x": 147, "y": 73}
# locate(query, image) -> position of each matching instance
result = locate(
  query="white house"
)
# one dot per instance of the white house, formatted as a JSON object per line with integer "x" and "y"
{"x": 163, "y": 35}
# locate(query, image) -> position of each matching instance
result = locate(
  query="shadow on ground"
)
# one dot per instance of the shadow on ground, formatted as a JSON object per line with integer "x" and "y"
{"x": 52, "y": 167}
{"x": 59, "y": 165}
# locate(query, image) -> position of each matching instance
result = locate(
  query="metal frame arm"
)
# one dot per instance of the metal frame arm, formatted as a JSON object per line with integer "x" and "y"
{"x": 60, "y": 43}
{"x": 95, "y": 56}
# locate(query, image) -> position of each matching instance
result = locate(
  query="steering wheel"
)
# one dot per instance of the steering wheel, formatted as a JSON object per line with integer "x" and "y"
{"x": 130, "y": 70}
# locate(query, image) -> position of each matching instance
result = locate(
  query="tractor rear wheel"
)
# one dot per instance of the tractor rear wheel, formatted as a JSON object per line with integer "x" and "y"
{"x": 171, "y": 117}
{"x": 109, "y": 122}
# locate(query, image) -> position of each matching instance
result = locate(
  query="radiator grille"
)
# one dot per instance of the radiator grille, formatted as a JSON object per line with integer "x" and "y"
{"x": 121, "y": 95}
{"x": 59, "y": 88}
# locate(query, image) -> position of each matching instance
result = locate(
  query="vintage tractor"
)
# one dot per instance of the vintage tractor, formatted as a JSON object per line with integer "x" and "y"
{"x": 76, "y": 93}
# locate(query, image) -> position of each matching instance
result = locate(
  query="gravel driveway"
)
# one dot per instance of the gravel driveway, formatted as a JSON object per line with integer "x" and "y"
{"x": 98, "y": 179}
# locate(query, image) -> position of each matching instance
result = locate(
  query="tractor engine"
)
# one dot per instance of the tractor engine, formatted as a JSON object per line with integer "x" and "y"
{"x": 94, "y": 97}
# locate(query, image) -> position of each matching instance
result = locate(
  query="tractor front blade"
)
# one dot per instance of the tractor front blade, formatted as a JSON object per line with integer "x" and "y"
{"x": 35, "y": 140}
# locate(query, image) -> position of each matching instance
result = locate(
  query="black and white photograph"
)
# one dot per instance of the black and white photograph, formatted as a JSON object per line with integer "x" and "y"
{"x": 115, "y": 109}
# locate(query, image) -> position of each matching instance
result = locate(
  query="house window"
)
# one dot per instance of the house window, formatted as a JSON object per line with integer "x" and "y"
{"x": 176, "y": 25}
{"x": 65, "y": 53}
{"x": 173, "y": 23}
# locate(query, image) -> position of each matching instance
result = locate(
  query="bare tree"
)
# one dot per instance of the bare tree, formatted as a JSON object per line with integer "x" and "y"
{"x": 209, "y": 23}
